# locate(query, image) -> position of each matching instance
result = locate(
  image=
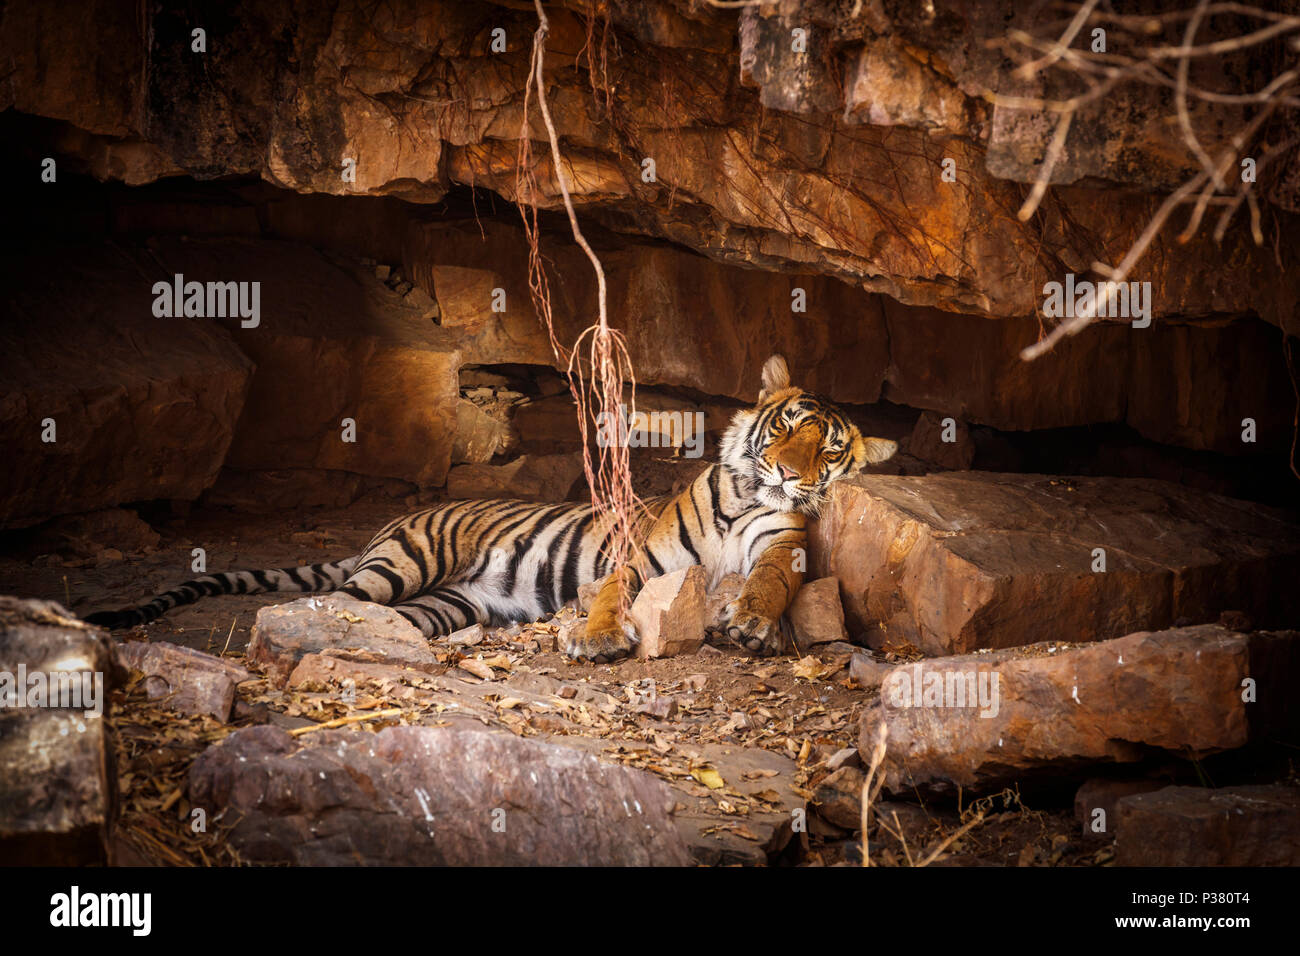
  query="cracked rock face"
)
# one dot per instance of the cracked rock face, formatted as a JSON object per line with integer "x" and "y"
{"x": 793, "y": 136}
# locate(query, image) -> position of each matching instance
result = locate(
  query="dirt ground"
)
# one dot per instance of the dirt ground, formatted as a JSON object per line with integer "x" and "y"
{"x": 746, "y": 741}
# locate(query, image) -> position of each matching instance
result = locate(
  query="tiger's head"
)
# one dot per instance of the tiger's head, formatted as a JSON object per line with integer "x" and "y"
{"x": 793, "y": 444}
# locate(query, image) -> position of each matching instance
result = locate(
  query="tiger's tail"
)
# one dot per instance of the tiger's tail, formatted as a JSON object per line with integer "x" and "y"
{"x": 311, "y": 578}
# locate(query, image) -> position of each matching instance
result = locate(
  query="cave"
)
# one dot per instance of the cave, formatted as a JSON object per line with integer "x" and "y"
{"x": 277, "y": 275}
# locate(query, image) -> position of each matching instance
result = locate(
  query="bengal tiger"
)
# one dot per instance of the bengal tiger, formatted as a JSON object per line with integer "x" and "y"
{"x": 493, "y": 561}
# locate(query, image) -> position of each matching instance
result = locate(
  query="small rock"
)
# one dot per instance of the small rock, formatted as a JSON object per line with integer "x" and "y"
{"x": 466, "y": 636}
{"x": 867, "y": 672}
{"x": 838, "y": 798}
{"x": 382, "y": 272}
{"x": 660, "y": 707}
{"x": 844, "y": 757}
{"x": 816, "y": 614}
{"x": 190, "y": 681}
{"x": 669, "y": 613}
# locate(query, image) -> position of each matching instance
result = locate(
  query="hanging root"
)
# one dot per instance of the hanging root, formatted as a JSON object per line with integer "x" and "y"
{"x": 598, "y": 364}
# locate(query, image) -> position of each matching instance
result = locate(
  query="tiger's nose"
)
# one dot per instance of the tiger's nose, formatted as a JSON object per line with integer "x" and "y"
{"x": 787, "y": 472}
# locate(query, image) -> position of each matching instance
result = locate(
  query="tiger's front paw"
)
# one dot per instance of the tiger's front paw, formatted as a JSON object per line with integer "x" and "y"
{"x": 762, "y": 635}
{"x": 600, "y": 645}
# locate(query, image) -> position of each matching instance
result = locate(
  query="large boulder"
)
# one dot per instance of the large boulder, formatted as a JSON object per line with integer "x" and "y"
{"x": 961, "y": 561}
{"x": 58, "y": 786}
{"x": 982, "y": 721}
{"x": 426, "y": 796}
{"x": 84, "y": 362}
{"x": 333, "y": 345}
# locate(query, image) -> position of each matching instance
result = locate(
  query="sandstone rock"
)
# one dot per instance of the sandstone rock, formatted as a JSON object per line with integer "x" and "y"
{"x": 190, "y": 681}
{"x": 1194, "y": 826}
{"x": 816, "y": 615}
{"x": 58, "y": 786}
{"x": 333, "y": 344}
{"x": 763, "y": 171}
{"x": 720, "y": 598}
{"x": 98, "y": 366}
{"x": 530, "y": 477}
{"x": 1094, "y": 803}
{"x": 431, "y": 796}
{"x": 885, "y": 85}
{"x": 336, "y": 624}
{"x": 867, "y": 672}
{"x": 838, "y": 798}
{"x": 548, "y": 425}
{"x": 1184, "y": 384}
{"x": 943, "y": 441}
{"x": 960, "y": 561}
{"x": 669, "y": 613}
{"x": 990, "y": 719}
{"x": 657, "y": 292}
{"x": 466, "y": 636}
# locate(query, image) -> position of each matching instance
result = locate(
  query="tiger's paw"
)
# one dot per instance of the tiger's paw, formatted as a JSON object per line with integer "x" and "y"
{"x": 756, "y": 633}
{"x": 600, "y": 645}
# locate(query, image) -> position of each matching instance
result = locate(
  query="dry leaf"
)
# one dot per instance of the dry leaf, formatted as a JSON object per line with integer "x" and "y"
{"x": 478, "y": 668}
{"x": 709, "y": 777}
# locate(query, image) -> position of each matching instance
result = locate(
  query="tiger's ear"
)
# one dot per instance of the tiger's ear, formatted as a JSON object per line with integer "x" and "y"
{"x": 871, "y": 451}
{"x": 876, "y": 450}
{"x": 776, "y": 376}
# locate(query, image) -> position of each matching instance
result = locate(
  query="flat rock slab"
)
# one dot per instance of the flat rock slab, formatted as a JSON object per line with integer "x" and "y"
{"x": 57, "y": 783}
{"x": 953, "y": 563}
{"x": 1194, "y": 826}
{"x": 1055, "y": 709}
{"x": 188, "y": 681}
{"x": 286, "y": 633}
{"x": 426, "y": 796}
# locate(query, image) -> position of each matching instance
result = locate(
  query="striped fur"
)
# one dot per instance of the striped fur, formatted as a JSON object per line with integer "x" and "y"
{"x": 493, "y": 561}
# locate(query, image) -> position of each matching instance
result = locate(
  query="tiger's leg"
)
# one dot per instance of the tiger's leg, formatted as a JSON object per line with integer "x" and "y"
{"x": 606, "y": 637}
{"x": 444, "y": 610}
{"x": 768, "y": 591}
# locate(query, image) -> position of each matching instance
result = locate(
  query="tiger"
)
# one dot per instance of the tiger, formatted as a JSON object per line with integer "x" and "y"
{"x": 495, "y": 561}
